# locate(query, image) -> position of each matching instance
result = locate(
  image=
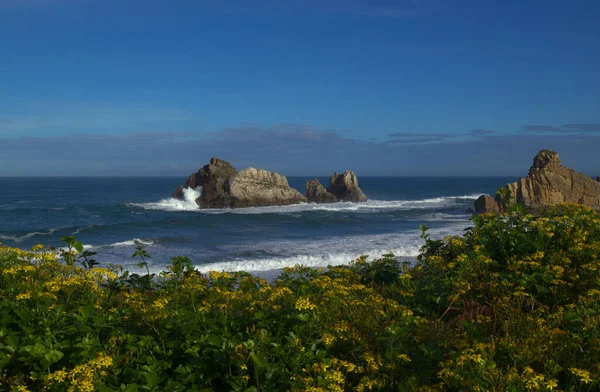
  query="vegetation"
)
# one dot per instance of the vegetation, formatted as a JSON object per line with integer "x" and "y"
{"x": 512, "y": 305}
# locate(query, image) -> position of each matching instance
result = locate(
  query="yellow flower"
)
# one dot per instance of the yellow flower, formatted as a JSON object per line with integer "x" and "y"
{"x": 304, "y": 304}
{"x": 328, "y": 339}
{"x": 584, "y": 375}
{"x": 37, "y": 247}
{"x": 23, "y": 296}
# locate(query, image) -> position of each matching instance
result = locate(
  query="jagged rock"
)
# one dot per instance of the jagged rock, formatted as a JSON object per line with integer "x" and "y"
{"x": 549, "y": 182}
{"x": 256, "y": 187}
{"x": 487, "y": 204}
{"x": 316, "y": 193}
{"x": 223, "y": 187}
{"x": 345, "y": 187}
{"x": 178, "y": 193}
{"x": 598, "y": 178}
{"x": 211, "y": 178}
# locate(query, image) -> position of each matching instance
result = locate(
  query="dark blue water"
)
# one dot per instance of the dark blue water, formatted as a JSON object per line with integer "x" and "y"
{"x": 111, "y": 215}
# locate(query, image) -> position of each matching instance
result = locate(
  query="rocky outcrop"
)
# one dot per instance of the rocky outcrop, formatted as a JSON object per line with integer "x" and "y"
{"x": 178, "y": 192}
{"x": 256, "y": 188}
{"x": 223, "y": 187}
{"x": 345, "y": 187}
{"x": 598, "y": 178}
{"x": 487, "y": 204}
{"x": 548, "y": 182}
{"x": 316, "y": 193}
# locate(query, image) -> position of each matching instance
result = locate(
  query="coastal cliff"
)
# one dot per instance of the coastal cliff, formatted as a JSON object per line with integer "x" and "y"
{"x": 548, "y": 182}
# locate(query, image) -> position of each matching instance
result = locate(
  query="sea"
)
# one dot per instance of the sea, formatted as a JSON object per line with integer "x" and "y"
{"x": 111, "y": 216}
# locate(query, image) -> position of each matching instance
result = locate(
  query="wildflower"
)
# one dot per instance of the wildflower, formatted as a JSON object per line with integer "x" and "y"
{"x": 584, "y": 375}
{"x": 328, "y": 339}
{"x": 304, "y": 304}
{"x": 23, "y": 296}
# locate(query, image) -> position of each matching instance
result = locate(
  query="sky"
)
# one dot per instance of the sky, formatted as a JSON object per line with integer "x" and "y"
{"x": 302, "y": 87}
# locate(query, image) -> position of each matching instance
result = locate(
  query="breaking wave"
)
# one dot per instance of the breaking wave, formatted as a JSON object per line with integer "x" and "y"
{"x": 172, "y": 204}
{"x": 189, "y": 204}
{"x": 26, "y": 236}
{"x": 336, "y": 251}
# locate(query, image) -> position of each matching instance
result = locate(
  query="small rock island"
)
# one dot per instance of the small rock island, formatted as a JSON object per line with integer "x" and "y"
{"x": 224, "y": 187}
{"x": 548, "y": 182}
{"x": 342, "y": 187}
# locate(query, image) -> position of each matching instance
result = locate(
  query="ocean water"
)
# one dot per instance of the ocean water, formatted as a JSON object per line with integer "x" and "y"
{"x": 111, "y": 215}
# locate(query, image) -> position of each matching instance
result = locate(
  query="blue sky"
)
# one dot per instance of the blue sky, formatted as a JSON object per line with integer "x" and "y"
{"x": 404, "y": 87}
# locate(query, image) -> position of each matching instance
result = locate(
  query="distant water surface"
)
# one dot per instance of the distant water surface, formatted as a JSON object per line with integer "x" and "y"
{"x": 111, "y": 215}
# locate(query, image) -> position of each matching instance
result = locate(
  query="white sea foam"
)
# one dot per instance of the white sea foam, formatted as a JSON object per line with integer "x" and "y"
{"x": 189, "y": 204}
{"x": 334, "y": 251}
{"x": 257, "y": 265}
{"x": 171, "y": 204}
{"x": 133, "y": 242}
{"x": 26, "y": 236}
{"x": 80, "y": 229}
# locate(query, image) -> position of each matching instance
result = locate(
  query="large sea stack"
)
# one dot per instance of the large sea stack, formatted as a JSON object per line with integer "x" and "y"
{"x": 345, "y": 187}
{"x": 548, "y": 182}
{"x": 224, "y": 187}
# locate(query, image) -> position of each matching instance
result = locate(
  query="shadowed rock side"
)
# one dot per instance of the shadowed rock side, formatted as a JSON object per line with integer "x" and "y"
{"x": 598, "y": 178}
{"x": 345, "y": 187}
{"x": 485, "y": 204}
{"x": 316, "y": 193}
{"x": 548, "y": 182}
{"x": 223, "y": 187}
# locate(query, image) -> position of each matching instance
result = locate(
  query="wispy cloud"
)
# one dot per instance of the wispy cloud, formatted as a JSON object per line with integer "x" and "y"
{"x": 566, "y": 128}
{"x": 31, "y": 117}
{"x": 416, "y": 140}
{"x": 480, "y": 132}
{"x": 399, "y": 135}
{"x": 290, "y": 150}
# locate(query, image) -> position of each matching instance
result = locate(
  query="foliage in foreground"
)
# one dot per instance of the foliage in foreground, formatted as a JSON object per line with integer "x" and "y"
{"x": 513, "y": 305}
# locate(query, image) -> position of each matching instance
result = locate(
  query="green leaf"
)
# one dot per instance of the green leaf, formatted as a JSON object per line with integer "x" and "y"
{"x": 78, "y": 245}
{"x": 259, "y": 359}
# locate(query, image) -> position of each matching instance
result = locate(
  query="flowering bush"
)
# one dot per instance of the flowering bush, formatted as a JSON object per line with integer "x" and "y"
{"x": 512, "y": 305}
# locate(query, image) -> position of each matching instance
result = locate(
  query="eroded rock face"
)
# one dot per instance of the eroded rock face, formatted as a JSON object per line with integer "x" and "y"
{"x": 256, "y": 187}
{"x": 345, "y": 187}
{"x": 487, "y": 204}
{"x": 223, "y": 187}
{"x": 316, "y": 193}
{"x": 549, "y": 182}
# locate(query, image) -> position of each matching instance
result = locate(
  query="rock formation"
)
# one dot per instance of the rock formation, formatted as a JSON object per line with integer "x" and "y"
{"x": 345, "y": 187}
{"x": 548, "y": 182}
{"x": 598, "y": 178}
{"x": 316, "y": 193}
{"x": 485, "y": 204}
{"x": 256, "y": 187}
{"x": 223, "y": 187}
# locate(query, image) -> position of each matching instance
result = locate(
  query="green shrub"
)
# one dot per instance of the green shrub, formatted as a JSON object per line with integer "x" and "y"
{"x": 512, "y": 305}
